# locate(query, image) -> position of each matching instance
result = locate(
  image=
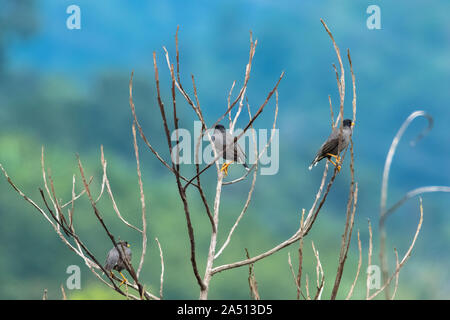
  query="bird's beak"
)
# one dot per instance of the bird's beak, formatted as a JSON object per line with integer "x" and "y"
{"x": 353, "y": 124}
{"x": 128, "y": 245}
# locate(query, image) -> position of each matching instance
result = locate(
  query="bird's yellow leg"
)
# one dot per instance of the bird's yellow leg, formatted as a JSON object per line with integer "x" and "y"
{"x": 124, "y": 279}
{"x": 225, "y": 168}
{"x": 337, "y": 165}
{"x": 338, "y": 158}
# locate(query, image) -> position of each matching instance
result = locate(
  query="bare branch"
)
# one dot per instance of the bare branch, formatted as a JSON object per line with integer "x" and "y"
{"x": 393, "y": 149}
{"x": 341, "y": 82}
{"x": 162, "y": 269}
{"x": 321, "y": 283}
{"x": 405, "y": 257}
{"x": 397, "y": 275}
{"x": 410, "y": 195}
{"x": 64, "y": 296}
{"x": 110, "y": 193}
{"x": 300, "y": 260}
{"x": 228, "y": 100}
{"x": 308, "y": 297}
{"x": 142, "y": 198}
{"x": 252, "y": 280}
{"x": 297, "y": 284}
{"x": 369, "y": 259}
{"x": 181, "y": 190}
{"x": 249, "y": 196}
{"x": 350, "y": 293}
{"x": 385, "y": 182}
{"x": 44, "y": 296}
{"x": 141, "y": 132}
{"x": 128, "y": 265}
{"x": 346, "y": 238}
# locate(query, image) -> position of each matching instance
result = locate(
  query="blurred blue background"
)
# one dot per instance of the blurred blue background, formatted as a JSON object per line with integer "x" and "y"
{"x": 67, "y": 90}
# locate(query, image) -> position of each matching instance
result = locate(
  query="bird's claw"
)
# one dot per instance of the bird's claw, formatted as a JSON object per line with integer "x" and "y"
{"x": 336, "y": 164}
{"x": 124, "y": 280}
{"x": 224, "y": 168}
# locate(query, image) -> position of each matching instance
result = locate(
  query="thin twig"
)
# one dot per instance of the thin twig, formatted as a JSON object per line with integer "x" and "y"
{"x": 110, "y": 193}
{"x": 162, "y": 269}
{"x": 397, "y": 276}
{"x": 252, "y": 280}
{"x": 142, "y": 198}
{"x": 300, "y": 260}
{"x": 369, "y": 260}
{"x": 321, "y": 283}
{"x": 297, "y": 285}
{"x": 405, "y": 257}
{"x": 64, "y": 296}
{"x": 350, "y": 293}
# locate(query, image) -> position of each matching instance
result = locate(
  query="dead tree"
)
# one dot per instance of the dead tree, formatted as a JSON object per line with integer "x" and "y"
{"x": 184, "y": 182}
{"x": 63, "y": 223}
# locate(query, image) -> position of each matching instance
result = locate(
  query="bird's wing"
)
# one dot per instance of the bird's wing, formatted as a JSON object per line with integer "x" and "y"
{"x": 217, "y": 141}
{"x": 330, "y": 146}
{"x": 112, "y": 259}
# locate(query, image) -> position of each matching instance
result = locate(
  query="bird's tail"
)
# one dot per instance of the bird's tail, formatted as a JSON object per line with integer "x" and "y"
{"x": 313, "y": 163}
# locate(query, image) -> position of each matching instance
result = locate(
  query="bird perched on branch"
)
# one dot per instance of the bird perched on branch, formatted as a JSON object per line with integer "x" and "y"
{"x": 114, "y": 260}
{"x": 232, "y": 152}
{"x": 331, "y": 147}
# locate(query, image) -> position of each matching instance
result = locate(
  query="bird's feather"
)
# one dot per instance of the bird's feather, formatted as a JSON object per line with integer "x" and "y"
{"x": 224, "y": 142}
{"x": 112, "y": 259}
{"x": 331, "y": 145}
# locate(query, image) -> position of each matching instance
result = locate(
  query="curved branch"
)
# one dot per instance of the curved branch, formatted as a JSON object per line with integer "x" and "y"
{"x": 385, "y": 182}
{"x": 411, "y": 194}
{"x": 393, "y": 148}
{"x": 404, "y": 259}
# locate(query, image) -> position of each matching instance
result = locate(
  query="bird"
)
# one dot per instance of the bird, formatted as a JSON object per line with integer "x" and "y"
{"x": 224, "y": 141}
{"x": 329, "y": 148}
{"x": 115, "y": 262}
